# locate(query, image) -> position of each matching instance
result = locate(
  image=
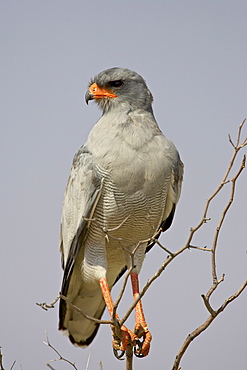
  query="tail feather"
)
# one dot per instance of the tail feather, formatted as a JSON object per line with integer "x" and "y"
{"x": 80, "y": 330}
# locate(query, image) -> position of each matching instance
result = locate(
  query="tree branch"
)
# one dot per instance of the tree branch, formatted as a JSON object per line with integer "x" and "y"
{"x": 204, "y": 326}
{"x": 97, "y": 321}
{"x": 215, "y": 280}
{"x": 61, "y": 358}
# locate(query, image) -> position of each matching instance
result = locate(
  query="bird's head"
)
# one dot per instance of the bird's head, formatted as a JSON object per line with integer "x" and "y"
{"x": 118, "y": 89}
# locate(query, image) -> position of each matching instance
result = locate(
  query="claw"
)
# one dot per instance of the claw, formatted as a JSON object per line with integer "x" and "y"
{"x": 141, "y": 347}
{"x": 121, "y": 340}
{"x": 141, "y": 331}
{"x": 118, "y": 356}
{"x": 138, "y": 351}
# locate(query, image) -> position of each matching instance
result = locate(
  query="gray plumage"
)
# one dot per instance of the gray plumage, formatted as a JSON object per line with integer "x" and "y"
{"x": 127, "y": 178}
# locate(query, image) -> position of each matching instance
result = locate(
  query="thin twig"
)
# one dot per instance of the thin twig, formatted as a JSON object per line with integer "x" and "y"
{"x": 224, "y": 181}
{"x": 204, "y": 326}
{"x": 13, "y": 365}
{"x": 46, "y": 306}
{"x": 122, "y": 291}
{"x": 61, "y": 358}
{"x": 83, "y": 313}
{"x": 156, "y": 241}
{"x": 50, "y": 367}
{"x": 218, "y": 228}
{"x": 200, "y": 248}
{"x": 88, "y": 359}
{"x": 234, "y": 296}
{"x": 1, "y": 360}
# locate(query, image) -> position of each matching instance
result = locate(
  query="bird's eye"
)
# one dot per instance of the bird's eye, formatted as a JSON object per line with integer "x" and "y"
{"x": 116, "y": 83}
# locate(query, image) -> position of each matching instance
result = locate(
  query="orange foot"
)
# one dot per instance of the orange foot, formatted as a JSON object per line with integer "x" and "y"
{"x": 141, "y": 348}
{"x": 121, "y": 339}
{"x": 141, "y": 331}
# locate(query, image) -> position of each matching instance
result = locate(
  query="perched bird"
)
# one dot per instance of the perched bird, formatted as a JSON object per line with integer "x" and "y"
{"x": 123, "y": 188}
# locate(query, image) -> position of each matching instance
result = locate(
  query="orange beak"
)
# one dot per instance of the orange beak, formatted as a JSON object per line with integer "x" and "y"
{"x": 99, "y": 92}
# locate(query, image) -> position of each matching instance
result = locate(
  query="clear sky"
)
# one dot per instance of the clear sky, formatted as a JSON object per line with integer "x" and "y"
{"x": 193, "y": 55}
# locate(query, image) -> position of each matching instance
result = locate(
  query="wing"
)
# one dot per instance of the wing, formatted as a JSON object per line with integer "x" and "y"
{"x": 173, "y": 196}
{"x": 80, "y": 199}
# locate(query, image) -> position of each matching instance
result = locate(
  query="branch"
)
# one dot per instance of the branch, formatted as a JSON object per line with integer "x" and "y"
{"x": 46, "y": 306}
{"x": 1, "y": 362}
{"x": 129, "y": 357}
{"x": 204, "y": 326}
{"x": 83, "y": 313}
{"x": 61, "y": 358}
{"x": 215, "y": 280}
{"x": 88, "y": 359}
{"x": 13, "y": 365}
{"x": 116, "y": 304}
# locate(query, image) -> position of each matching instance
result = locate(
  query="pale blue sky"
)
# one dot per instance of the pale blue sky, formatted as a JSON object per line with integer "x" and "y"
{"x": 193, "y": 55}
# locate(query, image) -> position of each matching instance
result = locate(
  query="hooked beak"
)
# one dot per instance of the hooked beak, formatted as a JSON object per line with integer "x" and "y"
{"x": 88, "y": 96}
{"x": 96, "y": 92}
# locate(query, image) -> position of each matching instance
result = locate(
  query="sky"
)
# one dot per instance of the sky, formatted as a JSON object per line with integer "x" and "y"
{"x": 193, "y": 56}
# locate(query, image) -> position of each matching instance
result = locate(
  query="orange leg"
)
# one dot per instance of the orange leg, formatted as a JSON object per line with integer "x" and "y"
{"x": 141, "y": 328}
{"x": 127, "y": 335}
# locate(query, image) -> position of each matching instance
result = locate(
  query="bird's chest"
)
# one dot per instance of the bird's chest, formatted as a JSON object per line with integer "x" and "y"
{"x": 132, "y": 209}
{"x": 133, "y": 165}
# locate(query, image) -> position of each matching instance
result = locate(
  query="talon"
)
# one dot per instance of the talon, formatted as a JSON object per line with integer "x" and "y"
{"x": 122, "y": 340}
{"x": 138, "y": 351}
{"x": 141, "y": 331}
{"x": 118, "y": 356}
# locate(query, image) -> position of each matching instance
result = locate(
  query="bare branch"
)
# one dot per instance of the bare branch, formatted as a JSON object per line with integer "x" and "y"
{"x": 50, "y": 367}
{"x": 61, "y": 358}
{"x": 200, "y": 248}
{"x": 218, "y": 228}
{"x": 1, "y": 360}
{"x": 215, "y": 280}
{"x": 204, "y": 326}
{"x": 83, "y": 313}
{"x": 156, "y": 241}
{"x": 224, "y": 181}
{"x": 88, "y": 359}
{"x": 46, "y": 306}
{"x": 208, "y": 306}
{"x": 234, "y": 296}
{"x": 121, "y": 291}
{"x": 129, "y": 357}
{"x": 13, "y": 365}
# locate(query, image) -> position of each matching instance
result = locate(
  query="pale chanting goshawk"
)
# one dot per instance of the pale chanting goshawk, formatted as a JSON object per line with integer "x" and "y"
{"x": 123, "y": 188}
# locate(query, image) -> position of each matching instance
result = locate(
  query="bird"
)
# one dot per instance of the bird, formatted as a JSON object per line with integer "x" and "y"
{"x": 123, "y": 188}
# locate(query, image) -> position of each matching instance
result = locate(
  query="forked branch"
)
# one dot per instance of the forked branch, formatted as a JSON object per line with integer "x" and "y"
{"x": 215, "y": 281}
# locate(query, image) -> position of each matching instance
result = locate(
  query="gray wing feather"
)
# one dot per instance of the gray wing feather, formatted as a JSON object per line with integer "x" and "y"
{"x": 173, "y": 196}
{"x": 80, "y": 199}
